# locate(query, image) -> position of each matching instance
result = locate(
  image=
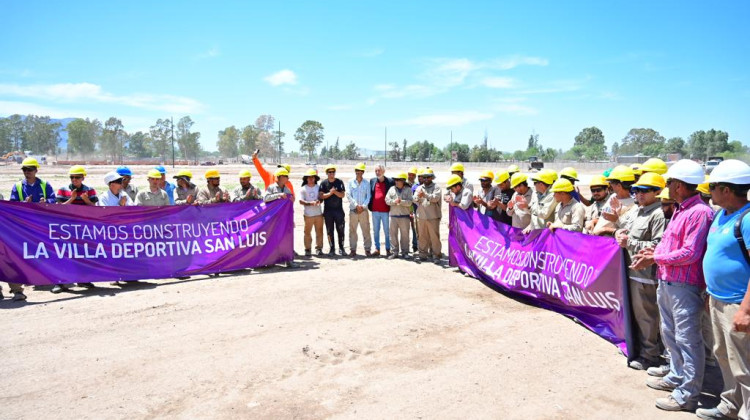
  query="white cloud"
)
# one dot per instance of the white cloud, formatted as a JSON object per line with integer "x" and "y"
{"x": 283, "y": 77}
{"x": 91, "y": 93}
{"x": 453, "y": 119}
{"x": 499, "y": 82}
{"x": 211, "y": 53}
{"x": 508, "y": 63}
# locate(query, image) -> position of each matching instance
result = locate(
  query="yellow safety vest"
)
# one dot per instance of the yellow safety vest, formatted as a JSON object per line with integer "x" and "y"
{"x": 19, "y": 189}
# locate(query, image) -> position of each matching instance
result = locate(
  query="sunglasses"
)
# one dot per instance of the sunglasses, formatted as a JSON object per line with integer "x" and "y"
{"x": 28, "y": 169}
{"x": 76, "y": 177}
{"x": 713, "y": 185}
{"x": 330, "y": 172}
{"x": 117, "y": 181}
{"x": 643, "y": 190}
{"x": 597, "y": 190}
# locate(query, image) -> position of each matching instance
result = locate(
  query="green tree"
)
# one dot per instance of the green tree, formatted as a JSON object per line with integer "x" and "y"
{"x": 5, "y": 141}
{"x": 615, "y": 149}
{"x": 675, "y": 145}
{"x": 42, "y": 135}
{"x": 589, "y": 144}
{"x": 112, "y": 140}
{"x": 463, "y": 153}
{"x": 227, "y": 144}
{"x": 702, "y": 144}
{"x": 350, "y": 151}
{"x": 83, "y": 135}
{"x": 533, "y": 142}
{"x": 265, "y": 125}
{"x": 309, "y": 135}
{"x": 395, "y": 152}
{"x": 646, "y": 141}
{"x": 248, "y": 140}
{"x": 277, "y": 141}
{"x": 17, "y": 132}
{"x": 161, "y": 138}
{"x": 139, "y": 145}
{"x": 403, "y": 151}
{"x": 187, "y": 141}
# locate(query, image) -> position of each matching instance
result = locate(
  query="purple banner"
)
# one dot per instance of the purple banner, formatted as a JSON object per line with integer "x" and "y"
{"x": 581, "y": 276}
{"x": 47, "y": 244}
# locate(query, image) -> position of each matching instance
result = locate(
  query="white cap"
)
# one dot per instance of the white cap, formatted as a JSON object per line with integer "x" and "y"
{"x": 731, "y": 171}
{"x": 111, "y": 176}
{"x": 687, "y": 171}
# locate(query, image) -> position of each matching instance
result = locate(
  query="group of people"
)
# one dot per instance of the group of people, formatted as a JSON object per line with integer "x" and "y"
{"x": 684, "y": 235}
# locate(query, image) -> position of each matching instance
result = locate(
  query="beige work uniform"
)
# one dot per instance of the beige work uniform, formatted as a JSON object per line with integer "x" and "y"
{"x": 207, "y": 194}
{"x": 148, "y": 198}
{"x": 520, "y": 217}
{"x": 542, "y": 209}
{"x": 429, "y": 212}
{"x": 182, "y": 195}
{"x": 570, "y": 216}
{"x": 240, "y": 193}
{"x": 399, "y": 218}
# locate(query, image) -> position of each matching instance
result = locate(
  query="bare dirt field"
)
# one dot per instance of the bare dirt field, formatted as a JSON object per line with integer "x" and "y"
{"x": 334, "y": 338}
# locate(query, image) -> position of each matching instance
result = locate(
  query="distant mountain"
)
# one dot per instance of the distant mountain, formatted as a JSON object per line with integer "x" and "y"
{"x": 63, "y": 134}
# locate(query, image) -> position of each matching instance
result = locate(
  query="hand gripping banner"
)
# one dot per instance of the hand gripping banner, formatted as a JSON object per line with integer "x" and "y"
{"x": 47, "y": 244}
{"x": 577, "y": 275}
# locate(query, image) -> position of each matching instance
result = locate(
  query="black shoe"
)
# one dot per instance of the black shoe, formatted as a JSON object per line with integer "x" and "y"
{"x": 319, "y": 252}
{"x": 87, "y": 285}
{"x": 308, "y": 253}
{"x": 342, "y": 252}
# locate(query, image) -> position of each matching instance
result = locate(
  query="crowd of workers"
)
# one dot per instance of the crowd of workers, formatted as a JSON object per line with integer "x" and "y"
{"x": 684, "y": 236}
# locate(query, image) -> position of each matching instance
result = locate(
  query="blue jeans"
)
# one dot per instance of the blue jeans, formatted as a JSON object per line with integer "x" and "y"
{"x": 381, "y": 218}
{"x": 680, "y": 308}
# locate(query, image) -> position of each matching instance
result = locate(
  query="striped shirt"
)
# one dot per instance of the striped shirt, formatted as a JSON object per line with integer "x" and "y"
{"x": 64, "y": 194}
{"x": 679, "y": 255}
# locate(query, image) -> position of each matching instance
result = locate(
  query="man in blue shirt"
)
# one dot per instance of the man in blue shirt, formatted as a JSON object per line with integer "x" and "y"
{"x": 727, "y": 272}
{"x": 165, "y": 185}
{"x": 31, "y": 190}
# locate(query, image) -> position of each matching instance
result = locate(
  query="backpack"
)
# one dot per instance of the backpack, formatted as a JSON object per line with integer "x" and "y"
{"x": 738, "y": 236}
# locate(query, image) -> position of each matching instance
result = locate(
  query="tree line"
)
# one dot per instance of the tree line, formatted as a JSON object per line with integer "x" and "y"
{"x": 86, "y": 138}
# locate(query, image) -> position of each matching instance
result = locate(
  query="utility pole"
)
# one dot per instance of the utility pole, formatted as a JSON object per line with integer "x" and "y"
{"x": 451, "y": 148}
{"x": 171, "y": 124}
{"x": 279, "y": 142}
{"x": 385, "y": 149}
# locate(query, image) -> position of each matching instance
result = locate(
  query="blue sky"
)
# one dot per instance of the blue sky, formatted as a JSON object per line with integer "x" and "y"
{"x": 423, "y": 69}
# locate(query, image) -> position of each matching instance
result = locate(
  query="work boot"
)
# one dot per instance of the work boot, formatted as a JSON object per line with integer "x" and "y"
{"x": 319, "y": 252}
{"x": 375, "y": 253}
{"x": 342, "y": 252}
{"x": 18, "y": 296}
{"x": 59, "y": 288}
{"x": 641, "y": 363}
{"x": 87, "y": 285}
{"x": 670, "y": 404}
{"x": 658, "y": 371}
{"x": 660, "y": 384}
{"x": 392, "y": 256}
{"x": 308, "y": 253}
{"x": 711, "y": 414}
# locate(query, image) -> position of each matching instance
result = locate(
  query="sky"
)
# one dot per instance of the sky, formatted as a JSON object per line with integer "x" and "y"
{"x": 422, "y": 69}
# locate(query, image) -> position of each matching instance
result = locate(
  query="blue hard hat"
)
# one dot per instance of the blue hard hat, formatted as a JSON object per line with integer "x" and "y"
{"x": 124, "y": 171}
{"x": 160, "y": 169}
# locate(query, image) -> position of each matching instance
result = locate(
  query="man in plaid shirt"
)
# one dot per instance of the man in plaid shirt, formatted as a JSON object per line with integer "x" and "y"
{"x": 681, "y": 291}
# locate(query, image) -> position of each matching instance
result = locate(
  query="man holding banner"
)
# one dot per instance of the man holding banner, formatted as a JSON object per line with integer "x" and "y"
{"x": 153, "y": 195}
{"x": 114, "y": 196}
{"x": 542, "y": 206}
{"x": 212, "y": 191}
{"x": 681, "y": 290}
{"x": 520, "y": 218}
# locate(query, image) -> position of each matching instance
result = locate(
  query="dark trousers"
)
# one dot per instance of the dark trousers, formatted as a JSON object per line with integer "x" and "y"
{"x": 336, "y": 219}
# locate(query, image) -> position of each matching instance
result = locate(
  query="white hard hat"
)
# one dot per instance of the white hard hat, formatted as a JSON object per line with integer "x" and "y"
{"x": 731, "y": 171}
{"x": 111, "y": 176}
{"x": 687, "y": 171}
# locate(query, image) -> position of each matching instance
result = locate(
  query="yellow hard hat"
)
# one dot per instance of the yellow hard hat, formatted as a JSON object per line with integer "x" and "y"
{"x": 636, "y": 167}
{"x": 413, "y": 170}
{"x": 487, "y": 175}
{"x": 359, "y": 167}
{"x": 245, "y": 173}
{"x": 664, "y": 194}
{"x": 517, "y": 179}
{"x": 654, "y": 165}
{"x": 621, "y": 173}
{"x": 428, "y": 172}
{"x": 454, "y": 180}
{"x": 420, "y": 171}
{"x": 598, "y": 180}
{"x": 311, "y": 172}
{"x": 154, "y": 173}
{"x": 652, "y": 179}
{"x": 80, "y": 170}
{"x": 212, "y": 173}
{"x": 457, "y": 167}
{"x": 562, "y": 185}
{"x": 703, "y": 188}
{"x": 546, "y": 176}
{"x": 328, "y": 168}
{"x": 400, "y": 175}
{"x": 29, "y": 162}
{"x": 183, "y": 173}
{"x": 513, "y": 169}
{"x": 501, "y": 176}
{"x": 286, "y": 166}
{"x": 569, "y": 172}
{"x": 281, "y": 172}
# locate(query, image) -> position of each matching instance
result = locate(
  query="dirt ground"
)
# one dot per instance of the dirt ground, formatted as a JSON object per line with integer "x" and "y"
{"x": 334, "y": 338}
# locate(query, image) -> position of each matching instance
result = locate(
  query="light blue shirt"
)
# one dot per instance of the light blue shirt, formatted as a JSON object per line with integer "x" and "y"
{"x": 358, "y": 194}
{"x": 724, "y": 267}
{"x": 169, "y": 188}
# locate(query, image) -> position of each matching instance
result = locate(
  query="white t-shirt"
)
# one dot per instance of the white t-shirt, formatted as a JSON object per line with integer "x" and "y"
{"x": 311, "y": 194}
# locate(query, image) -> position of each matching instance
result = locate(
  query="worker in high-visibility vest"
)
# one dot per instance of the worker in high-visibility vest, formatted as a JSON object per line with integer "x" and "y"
{"x": 31, "y": 190}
